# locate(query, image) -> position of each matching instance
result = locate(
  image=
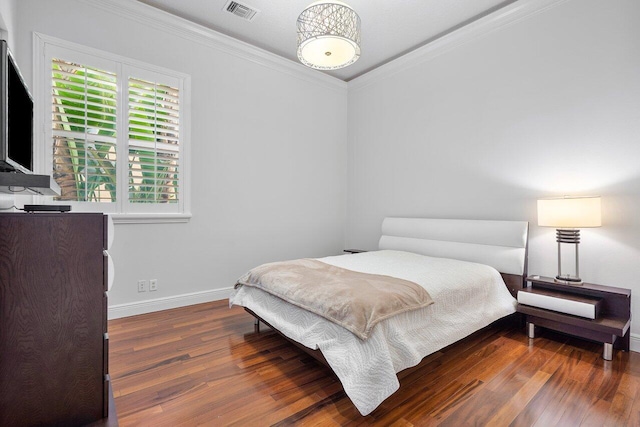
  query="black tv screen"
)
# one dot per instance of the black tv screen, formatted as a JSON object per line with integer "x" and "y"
{"x": 16, "y": 147}
{"x": 20, "y": 126}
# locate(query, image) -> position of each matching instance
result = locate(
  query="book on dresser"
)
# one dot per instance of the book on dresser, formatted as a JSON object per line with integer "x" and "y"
{"x": 53, "y": 320}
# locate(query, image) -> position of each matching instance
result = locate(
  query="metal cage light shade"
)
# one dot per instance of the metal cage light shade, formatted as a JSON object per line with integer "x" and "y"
{"x": 328, "y": 35}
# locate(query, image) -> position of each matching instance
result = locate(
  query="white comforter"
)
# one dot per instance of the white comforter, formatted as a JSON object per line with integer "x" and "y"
{"x": 467, "y": 297}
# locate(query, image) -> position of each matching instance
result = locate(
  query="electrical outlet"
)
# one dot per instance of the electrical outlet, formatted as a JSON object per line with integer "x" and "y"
{"x": 153, "y": 285}
{"x": 6, "y": 202}
{"x": 142, "y": 286}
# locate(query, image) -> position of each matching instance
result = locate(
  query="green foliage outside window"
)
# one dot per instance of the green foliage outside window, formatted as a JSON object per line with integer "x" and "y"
{"x": 84, "y": 124}
{"x": 85, "y": 135}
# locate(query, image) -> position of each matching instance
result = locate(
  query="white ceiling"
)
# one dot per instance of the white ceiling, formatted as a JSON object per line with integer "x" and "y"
{"x": 390, "y": 28}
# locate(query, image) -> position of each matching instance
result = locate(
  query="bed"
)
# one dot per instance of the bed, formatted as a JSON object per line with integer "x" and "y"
{"x": 472, "y": 269}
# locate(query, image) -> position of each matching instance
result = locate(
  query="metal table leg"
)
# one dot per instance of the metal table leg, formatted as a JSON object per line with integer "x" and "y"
{"x": 531, "y": 330}
{"x": 607, "y": 352}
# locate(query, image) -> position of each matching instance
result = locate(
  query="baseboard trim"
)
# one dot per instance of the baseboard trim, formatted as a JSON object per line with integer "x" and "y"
{"x": 158, "y": 304}
{"x": 634, "y": 343}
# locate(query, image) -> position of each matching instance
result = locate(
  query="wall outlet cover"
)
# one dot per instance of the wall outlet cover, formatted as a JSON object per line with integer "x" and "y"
{"x": 6, "y": 202}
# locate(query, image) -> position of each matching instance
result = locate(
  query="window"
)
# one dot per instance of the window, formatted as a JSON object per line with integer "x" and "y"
{"x": 154, "y": 142}
{"x": 114, "y": 137}
{"x": 84, "y": 125}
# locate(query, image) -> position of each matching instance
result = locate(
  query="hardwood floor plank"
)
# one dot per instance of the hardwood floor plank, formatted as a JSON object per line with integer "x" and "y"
{"x": 613, "y": 371}
{"x": 597, "y": 413}
{"x": 551, "y": 391}
{"x": 626, "y": 394}
{"x": 446, "y": 366}
{"x": 634, "y": 413}
{"x": 557, "y": 407}
{"x": 585, "y": 398}
{"x": 205, "y": 365}
{"x": 498, "y": 391}
{"x": 139, "y": 417}
{"x": 512, "y": 407}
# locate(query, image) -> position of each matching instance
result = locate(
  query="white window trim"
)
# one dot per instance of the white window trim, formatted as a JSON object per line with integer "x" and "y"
{"x": 42, "y": 164}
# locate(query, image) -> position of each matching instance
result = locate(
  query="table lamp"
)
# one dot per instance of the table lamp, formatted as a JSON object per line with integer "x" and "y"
{"x": 568, "y": 215}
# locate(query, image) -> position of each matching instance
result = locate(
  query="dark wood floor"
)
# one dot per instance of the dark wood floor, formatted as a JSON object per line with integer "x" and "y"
{"x": 204, "y": 365}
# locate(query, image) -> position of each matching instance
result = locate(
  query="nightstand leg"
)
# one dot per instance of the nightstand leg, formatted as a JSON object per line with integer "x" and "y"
{"x": 607, "y": 353}
{"x": 531, "y": 330}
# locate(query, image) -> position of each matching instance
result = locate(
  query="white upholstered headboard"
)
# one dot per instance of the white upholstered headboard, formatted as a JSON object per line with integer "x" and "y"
{"x": 500, "y": 244}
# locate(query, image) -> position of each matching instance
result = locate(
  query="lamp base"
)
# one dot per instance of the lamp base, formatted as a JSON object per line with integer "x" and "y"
{"x": 569, "y": 280}
{"x": 571, "y": 236}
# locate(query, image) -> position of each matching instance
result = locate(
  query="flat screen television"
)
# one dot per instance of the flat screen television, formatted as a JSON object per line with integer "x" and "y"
{"x": 16, "y": 117}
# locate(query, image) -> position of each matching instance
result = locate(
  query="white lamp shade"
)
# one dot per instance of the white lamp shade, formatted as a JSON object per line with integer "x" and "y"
{"x": 570, "y": 212}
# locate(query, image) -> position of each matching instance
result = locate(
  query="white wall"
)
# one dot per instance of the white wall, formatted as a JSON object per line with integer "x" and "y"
{"x": 7, "y": 18}
{"x": 268, "y": 152}
{"x": 547, "y": 106}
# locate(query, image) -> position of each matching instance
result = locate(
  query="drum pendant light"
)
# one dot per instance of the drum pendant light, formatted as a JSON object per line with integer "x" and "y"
{"x": 328, "y": 35}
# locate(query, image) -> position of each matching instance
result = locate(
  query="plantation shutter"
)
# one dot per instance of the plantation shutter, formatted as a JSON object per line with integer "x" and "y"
{"x": 154, "y": 142}
{"x": 84, "y": 131}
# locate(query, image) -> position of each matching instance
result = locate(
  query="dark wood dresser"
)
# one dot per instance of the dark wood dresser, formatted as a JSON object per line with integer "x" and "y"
{"x": 53, "y": 320}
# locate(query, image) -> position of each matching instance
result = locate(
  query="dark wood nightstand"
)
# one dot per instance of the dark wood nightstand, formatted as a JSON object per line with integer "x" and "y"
{"x": 611, "y": 325}
{"x": 354, "y": 251}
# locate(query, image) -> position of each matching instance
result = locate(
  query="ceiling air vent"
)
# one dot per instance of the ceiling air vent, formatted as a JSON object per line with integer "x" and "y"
{"x": 246, "y": 12}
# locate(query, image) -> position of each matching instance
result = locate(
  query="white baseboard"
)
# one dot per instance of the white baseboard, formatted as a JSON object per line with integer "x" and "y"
{"x": 634, "y": 344}
{"x": 166, "y": 303}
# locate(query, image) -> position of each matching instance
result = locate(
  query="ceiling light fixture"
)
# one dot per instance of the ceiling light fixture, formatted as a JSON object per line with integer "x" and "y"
{"x": 328, "y": 35}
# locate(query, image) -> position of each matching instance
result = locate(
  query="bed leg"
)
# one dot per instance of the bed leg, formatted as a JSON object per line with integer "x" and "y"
{"x": 531, "y": 329}
{"x": 256, "y": 325}
{"x": 607, "y": 352}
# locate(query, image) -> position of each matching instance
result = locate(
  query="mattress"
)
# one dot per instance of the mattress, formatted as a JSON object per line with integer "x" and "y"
{"x": 467, "y": 297}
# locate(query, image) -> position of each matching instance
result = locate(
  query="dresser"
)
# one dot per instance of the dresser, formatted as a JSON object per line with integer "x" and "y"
{"x": 54, "y": 366}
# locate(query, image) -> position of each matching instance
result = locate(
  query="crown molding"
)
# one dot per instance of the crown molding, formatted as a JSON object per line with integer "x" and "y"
{"x": 508, "y": 15}
{"x": 180, "y": 27}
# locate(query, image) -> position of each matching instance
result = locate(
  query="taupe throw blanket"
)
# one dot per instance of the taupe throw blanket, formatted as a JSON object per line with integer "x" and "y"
{"x": 357, "y": 301}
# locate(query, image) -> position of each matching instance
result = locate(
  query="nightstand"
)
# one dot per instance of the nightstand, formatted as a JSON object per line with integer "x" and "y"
{"x": 611, "y": 309}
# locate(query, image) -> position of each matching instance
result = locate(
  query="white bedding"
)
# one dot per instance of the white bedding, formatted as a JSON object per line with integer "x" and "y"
{"x": 467, "y": 297}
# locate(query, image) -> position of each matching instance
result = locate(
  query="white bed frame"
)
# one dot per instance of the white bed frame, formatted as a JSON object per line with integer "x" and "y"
{"x": 499, "y": 244}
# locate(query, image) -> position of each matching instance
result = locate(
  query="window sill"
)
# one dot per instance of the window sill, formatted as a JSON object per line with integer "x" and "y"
{"x": 150, "y": 218}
